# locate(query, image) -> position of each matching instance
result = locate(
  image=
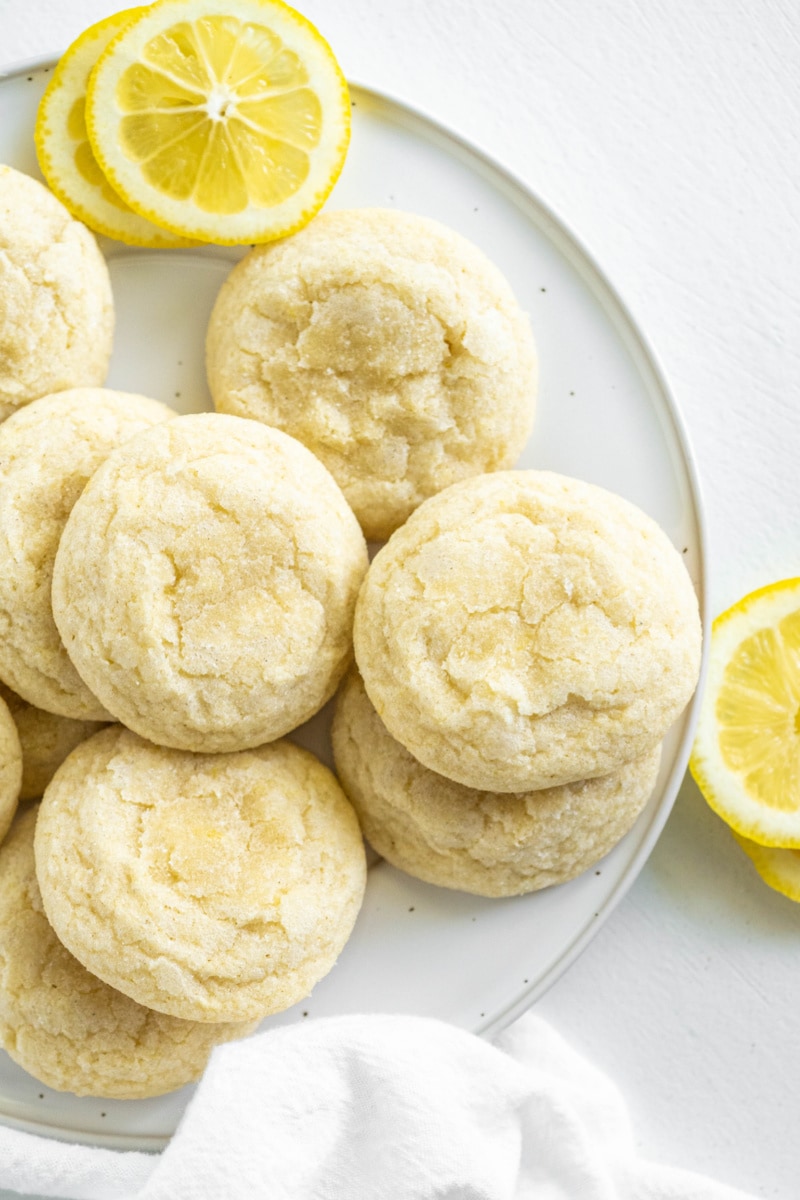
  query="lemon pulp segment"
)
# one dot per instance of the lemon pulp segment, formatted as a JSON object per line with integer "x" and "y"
{"x": 85, "y": 161}
{"x": 757, "y": 710}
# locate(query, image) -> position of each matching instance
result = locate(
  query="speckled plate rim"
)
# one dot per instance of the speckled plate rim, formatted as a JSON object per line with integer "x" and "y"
{"x": 584, "y": 261}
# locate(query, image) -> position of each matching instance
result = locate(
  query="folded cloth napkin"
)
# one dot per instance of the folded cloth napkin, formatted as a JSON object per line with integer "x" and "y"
{"x": 378, "y": 1108}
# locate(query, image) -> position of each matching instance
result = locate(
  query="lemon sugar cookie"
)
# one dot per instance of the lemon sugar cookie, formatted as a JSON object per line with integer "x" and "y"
{"x": 48, "y": 451}
{"x": 487, "y": 843}
{"x": 10, "y": 768}
{"x": 386, "y": 343}
{"x": 525, "y": 630}
{"x": 66, "y": 1027}
{"x": 206, "y": 581}
{"x": 210, "y": 887}
{"x": 45, "y": 738}
{"x": 56, "y": 307}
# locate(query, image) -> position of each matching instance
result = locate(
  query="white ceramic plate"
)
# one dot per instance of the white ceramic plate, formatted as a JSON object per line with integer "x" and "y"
{"x": 605, "y": 414}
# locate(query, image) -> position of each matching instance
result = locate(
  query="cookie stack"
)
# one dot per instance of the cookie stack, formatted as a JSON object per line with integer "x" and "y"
{"x": 177, "y": 594}
{"x": 524, "y": 642}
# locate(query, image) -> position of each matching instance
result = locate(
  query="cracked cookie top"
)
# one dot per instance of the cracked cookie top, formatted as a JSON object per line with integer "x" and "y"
{"x": 65, "y": 1026}
{"x": 48, "y": 452}
{"x": 487, "y": 843}
{"x": 206, "y": 581}
{"x": 210, "y": 887}
{"x": 56, "y": 307}
{"x": 525, "y": 630}
{"x": 386, "y": 343}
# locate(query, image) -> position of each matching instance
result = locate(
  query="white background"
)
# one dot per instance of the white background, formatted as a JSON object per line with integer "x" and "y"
{"x": 666, "y": 132}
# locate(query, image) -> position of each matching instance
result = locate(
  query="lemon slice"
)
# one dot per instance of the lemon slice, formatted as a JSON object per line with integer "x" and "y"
{"x": 779, "y": 868}
{"x": 222, "y": 120}
{"x": 62, "y": 144}
{"x": 746, "y": 755}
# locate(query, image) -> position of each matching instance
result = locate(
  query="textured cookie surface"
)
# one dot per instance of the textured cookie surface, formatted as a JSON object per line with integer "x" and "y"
{"x": 213, "y": 887}
{"x": 45, "y": 738}
{"x": 56, "y": 308}
{"x": 70, "y": 1030}
{"x": 525, "y": 630}
{"x": 206, "y": 581}
{"x": 10, "y": 768}
{"x": 387, "y": 344}
{"x": 488, "y": 843}
{"x": 48, "y": 452}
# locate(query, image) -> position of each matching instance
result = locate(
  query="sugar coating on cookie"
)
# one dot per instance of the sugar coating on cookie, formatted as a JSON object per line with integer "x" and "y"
{"x": 487, "y": 843}
{"x": 525, "y": 630}
{"x": 206, "y": 581}
{"x": 10, "y": 768}
{"x": 67, "y": 1028}
{"x": 45, "y": 738}
{"x": 210, "y": 887}
{"x": 48, "y": 452}
{"x": 56, "y": 307}
{"x": 386, "y": 343}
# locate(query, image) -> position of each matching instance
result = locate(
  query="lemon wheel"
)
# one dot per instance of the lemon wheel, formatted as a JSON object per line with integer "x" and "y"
{"x": 746, "y": 755}
{"x": 65, "y": 156}
{"x": 221, "y": 122}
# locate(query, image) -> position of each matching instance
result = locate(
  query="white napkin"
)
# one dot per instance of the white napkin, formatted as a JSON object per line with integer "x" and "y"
{"x": 378, "y": 1108}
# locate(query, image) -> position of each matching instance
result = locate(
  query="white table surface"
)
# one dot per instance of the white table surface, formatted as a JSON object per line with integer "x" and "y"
{"x": 667, "y": 133}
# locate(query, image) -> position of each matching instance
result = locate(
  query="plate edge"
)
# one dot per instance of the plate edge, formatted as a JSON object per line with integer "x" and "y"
{"x": 517, "y": 184}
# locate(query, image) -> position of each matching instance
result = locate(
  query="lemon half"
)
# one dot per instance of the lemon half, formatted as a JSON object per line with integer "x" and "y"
{"x": 746, "y": 755}
{"x": 221, "y": 120}
{"x": 65, "y": 155}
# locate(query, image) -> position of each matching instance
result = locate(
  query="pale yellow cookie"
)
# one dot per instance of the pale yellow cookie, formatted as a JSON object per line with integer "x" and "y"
{"x": 210, "y": 887}
{"x": 45, "y": 738}
{"x": 56, "y": 308}
{"x": 206, "y": 581}
{"x": 525, "y": 630}
{"x": 67, "y": 1028}
{"x": 389, "y": 345}
{"x": 487, "y": 843}
{"x": 48, "y": 451}
{"x": 10, "y": 768}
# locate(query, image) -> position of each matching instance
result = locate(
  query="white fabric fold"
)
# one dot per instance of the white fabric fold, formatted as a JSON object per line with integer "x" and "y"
{"x": 378, "y": 1108}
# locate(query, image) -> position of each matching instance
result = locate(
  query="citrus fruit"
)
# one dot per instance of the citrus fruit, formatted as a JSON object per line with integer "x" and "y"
{"x": 65, "y": 155}
{"x": 746, "y": 755}
{"x": 222, "y": 120}
{"x": 780, "y": 868}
